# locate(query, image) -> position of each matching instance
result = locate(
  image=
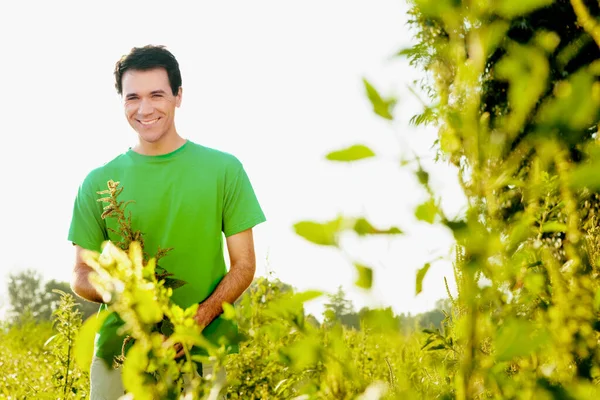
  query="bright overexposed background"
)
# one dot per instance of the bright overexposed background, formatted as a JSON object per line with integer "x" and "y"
{"x": 276, "y": 83}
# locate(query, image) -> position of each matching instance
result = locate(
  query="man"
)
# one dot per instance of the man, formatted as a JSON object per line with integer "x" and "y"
{"x": 186, "y": 196}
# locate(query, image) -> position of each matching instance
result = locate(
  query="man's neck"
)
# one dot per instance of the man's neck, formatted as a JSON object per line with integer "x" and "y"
{"x": 165, "y": 146}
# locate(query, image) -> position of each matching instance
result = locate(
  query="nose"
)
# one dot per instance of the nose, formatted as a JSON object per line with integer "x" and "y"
{"x": 145, "y": 107}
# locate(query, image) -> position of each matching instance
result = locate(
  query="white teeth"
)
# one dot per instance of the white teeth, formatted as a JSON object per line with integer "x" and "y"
{"x": 149, "y": 122}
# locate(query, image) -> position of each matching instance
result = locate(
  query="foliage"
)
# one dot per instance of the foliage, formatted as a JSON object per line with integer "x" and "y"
{"x": 28, "y": 294}
{"x": 270, "y": 365}
{"x": 36, "y": 357}
{"x": 515, "y": 98}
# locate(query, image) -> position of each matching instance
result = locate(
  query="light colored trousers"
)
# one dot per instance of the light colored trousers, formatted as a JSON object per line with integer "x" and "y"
{"x": 107, "y": 384}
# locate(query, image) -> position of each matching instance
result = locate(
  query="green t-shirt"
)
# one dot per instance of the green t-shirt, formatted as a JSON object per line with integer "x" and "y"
{"x": 187, "y": 199}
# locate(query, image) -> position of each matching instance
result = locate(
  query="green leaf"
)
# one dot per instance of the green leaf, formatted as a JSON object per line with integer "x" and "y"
{"x": 291, "y": 305}
{"x": 380, "y": 320}
{"x": 426, "y": 212}
{"x": 554, "y": 226}
{"x": 420, "y": 276}
{"x": 423, "y": 176}
{"x": 174, "y": 283}
{"x": 133, "y": 373}
{"x": 364, "y": 227}
{"x": 84, "y": 341}
{"x": 586, "y": 176}
{"x": 228, "y": 311}
{"x": 597, "y": 300}
{"x": 381, "y": 106}
{"x": 515, "y": 8}
{"x": 147, "y": 307}
{"x": 436, "y": 8}
{"x": 352, "y": 153}
{"x": 304, "y": 353}
{"x": 457, "y": 227}
{"x": 575, "y": 104}
{"x": 365, "y": 276}
{"x": 324, "y": 234}
{"x": 518, "y": 338}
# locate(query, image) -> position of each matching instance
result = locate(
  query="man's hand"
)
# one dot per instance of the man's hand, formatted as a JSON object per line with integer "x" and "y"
{"x": 231, "y": 287}
{"x": 235, "y": 282}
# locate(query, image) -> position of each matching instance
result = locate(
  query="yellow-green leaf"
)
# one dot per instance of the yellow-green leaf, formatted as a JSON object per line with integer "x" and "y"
{"x": 147, "y": 307}
{"x": 228, "y": 311}
{"x": 518, "y": 338}
{"x": 381, "y": 106}
{"x": 515, "y": 8}
{"x": 304, "y": 353}
{"x": 364, "y": 227}
{"x": 420, "y": 276}
{"x": 352, "y": 153}
{"x": 426, "y": 212}
{"x": 133, "y": 373}
{"x": 365, "y": 276}
{"x": 586, "y": 176}
{"x": 554, "y": 226}
{"x": 423, "y": 176}
{"x": 380, "y": 320}
{"x": 84, "y": 342}
{"x": 324, "y": 234}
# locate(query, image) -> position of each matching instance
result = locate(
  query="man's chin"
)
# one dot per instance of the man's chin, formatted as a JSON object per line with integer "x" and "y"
{"x": 146, "y": 138}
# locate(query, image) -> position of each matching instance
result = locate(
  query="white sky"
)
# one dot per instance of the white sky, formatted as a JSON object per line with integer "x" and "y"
{"x": 276, "y": 83}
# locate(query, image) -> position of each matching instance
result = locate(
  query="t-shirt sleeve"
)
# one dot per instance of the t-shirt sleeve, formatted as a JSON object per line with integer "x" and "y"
{"x": 241, "y": 209}
{"x": 87, "y": 228}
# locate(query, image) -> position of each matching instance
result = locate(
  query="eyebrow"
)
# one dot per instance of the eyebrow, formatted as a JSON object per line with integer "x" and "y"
{"x": 159, "y": 91}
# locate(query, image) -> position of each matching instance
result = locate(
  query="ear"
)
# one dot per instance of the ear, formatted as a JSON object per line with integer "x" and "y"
{"x": 178, "y": 97}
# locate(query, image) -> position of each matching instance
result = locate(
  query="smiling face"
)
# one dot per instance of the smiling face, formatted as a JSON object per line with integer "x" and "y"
{"x": 150, "y": 104}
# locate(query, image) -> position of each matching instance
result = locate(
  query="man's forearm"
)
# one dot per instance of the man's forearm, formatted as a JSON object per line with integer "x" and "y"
{"x": 231, "y": 287}
{"x": 81, "y": 285}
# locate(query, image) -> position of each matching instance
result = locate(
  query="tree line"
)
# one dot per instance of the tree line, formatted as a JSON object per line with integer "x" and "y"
{"x": 33, "y": 299}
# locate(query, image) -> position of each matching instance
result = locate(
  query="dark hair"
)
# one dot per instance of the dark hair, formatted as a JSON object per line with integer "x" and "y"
{"x": 146, "y": 58}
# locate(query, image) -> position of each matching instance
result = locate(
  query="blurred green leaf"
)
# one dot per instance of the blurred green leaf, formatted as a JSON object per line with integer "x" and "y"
{"x": 575, "y": 105}
{"x": 526, "y": 70}
{"x": 147, "y": 306}
{"x": 324, "y": 234}
{"x": 381, "y": 106}
{"x": 420, "y": 276}
{"x": 547, "y": 40}
{"x": 228, "y": 311}
{"x": 518, "y": 338}
{"x": 84, "y": 342}
{"x": 291, "y": 305}
{"x": 554, "y": 226}
{"x": 535, "y": 283}
{"x": 304, "y": 353}
{"x": 423, "y": 176}
{"x": 364, "y": 227}
{"x": 586, "y": 176}
{"x": 380, "y": 320}
{"x": 437, "y": 8}
{"x": 352, "y": 153}
{"x": 515, "y": 8}
{"x": 365, "y": 276}
{"x": 133, "y": 373}
{"x": 597, "y": 300}
{"x": 426, "y": 212}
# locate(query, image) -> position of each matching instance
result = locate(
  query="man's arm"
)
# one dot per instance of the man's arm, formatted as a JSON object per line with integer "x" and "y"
{"x": 241, "y": 273}
{"x": 80, "y": 284}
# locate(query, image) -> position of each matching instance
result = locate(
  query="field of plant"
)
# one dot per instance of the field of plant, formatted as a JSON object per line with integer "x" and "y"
{"x": 512, "y": 88}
